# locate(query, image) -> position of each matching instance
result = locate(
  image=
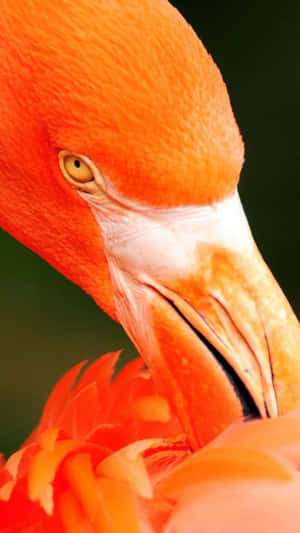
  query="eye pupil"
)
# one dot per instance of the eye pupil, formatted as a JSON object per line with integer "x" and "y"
{"x": 76, "y": 169}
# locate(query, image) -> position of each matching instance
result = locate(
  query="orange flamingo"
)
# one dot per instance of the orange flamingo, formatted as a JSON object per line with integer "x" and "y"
{"x": 119, "y": 165}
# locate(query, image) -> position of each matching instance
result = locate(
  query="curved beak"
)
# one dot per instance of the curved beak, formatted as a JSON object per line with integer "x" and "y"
{"x": 230, "y": 340}
{"x": 195, "y": 296}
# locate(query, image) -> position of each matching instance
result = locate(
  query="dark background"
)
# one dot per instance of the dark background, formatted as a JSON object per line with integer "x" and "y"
{"x": 47, "y": 324}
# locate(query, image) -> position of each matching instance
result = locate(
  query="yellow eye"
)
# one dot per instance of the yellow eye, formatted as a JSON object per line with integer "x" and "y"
{"x": 77, "y": 169}
{"x": 82, "y": 173}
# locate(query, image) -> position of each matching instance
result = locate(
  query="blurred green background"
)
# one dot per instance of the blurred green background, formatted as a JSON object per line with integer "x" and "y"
{"x": 47, "y": 324}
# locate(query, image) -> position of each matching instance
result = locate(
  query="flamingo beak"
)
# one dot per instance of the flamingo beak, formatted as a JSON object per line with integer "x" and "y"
{"x": 229, "y": 341}
{"x": 195, "y": 296}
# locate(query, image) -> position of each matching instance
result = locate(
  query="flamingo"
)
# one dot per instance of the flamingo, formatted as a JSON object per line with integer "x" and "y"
{"x": 120, "y": 160}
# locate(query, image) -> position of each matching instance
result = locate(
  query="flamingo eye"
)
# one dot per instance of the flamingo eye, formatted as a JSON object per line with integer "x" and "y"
{"x": 76, "y": 169}
{"x": 81, "y": 172}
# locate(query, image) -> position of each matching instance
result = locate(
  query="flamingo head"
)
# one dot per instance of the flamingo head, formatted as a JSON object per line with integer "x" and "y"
{"x": 120, "y": 158}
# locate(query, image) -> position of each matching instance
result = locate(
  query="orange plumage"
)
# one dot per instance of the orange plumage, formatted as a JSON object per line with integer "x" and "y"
{"x": 83, "y": 467}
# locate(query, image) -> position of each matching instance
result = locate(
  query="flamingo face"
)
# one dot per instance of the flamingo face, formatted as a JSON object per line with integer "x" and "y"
{"x": 119, "y": 165}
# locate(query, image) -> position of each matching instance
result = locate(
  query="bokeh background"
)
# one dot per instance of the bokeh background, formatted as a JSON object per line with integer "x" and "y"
{"x": 47, "y": 324}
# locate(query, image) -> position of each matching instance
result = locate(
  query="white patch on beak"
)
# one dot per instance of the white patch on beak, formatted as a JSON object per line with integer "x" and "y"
{"x": 149, "y": 242}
